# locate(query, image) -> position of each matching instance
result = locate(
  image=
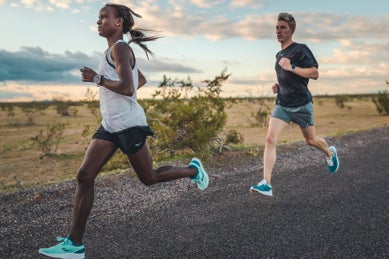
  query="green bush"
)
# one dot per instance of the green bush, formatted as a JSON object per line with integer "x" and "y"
{"x": 32, "y": 110}
{"x": 185, "y": 117}
{"x": 381, "y": 102}
{"x": 62, "y": 107}
{"x": 341, "y": 100}
{"x": 48, "y": 141}
{"x": 263, "y": 113}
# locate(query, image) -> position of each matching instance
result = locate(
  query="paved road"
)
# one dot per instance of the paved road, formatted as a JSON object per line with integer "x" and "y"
{"x": 312, "y": 215}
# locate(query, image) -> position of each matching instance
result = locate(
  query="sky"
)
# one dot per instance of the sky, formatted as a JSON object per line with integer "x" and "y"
{"x": 45, "y": 43}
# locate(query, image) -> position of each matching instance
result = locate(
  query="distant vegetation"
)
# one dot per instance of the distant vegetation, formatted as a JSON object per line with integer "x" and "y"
{"x": 186, "y": 118}
{"x": 189, "y": 120}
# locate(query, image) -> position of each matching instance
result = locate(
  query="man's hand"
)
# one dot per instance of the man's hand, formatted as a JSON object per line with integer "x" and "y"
{"x": 275, "y": 88}
{"x": 285, "y": 64}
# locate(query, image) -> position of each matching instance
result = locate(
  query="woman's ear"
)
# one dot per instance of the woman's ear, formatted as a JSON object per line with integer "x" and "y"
{"x": 119, "y": 21}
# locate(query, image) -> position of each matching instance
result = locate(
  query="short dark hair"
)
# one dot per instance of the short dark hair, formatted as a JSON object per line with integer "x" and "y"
{"x": 286, "y": 17}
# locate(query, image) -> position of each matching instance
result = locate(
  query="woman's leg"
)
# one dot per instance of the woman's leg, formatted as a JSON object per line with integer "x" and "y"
{"x": 142, "y": 162}
{"x": 98, "y": 153}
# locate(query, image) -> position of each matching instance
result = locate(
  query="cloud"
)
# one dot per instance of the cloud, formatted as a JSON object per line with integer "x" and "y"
{"x": 360, "y": 53}
{"x": 214, "y": 21}
{"x": 369, "y": 60}
{"x": 11, "y": 95}
{"x": 330, "y": 26}
{"x": 172, "y": 66}
{"x": 33, "y": 64}
{"x": 19, "y": 92}
{"x": 52, "y": 5}
{"x": 223, "y": 19}
{"x": 206, "y": 3}
{"x": 247, "y": 3}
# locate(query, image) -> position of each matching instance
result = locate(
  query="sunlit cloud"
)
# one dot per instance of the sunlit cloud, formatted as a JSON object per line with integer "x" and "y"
{"x": 17, "y": 92}
{"x": 356, "y": 46}
{"x": 204, "y": 3}
{"x": 246, "y": 3}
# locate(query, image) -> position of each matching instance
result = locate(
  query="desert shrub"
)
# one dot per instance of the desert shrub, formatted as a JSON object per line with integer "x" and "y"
{"x": 262, "y": 114}
{"x": 223, "y": 140}
{"x": 62, "y": 107}
{"x": 186, "y": 117}
{"x": 32, "y": 110}
{"x": 48, "y": 141}
{"x": 10, "y": 110}
{"x": 93, "y": 104}
{"x": 73, "y": 110}
{"x": 94, "y": 108}
{"x": 381, "y": 102}
{"x": 234, "y": 137}
{"x": 341, "y": 100}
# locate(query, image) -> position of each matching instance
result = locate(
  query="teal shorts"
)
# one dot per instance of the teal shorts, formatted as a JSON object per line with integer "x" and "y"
{"x": 302, "y": 116}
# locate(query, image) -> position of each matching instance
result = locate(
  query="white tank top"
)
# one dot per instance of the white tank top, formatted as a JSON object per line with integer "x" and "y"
{"x": 119, "y": 111}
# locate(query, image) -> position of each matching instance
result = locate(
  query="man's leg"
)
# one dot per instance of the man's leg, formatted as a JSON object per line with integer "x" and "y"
{"x": 313, "y": 140}
{"x": 320, "y": 143}
{"x": 269, "y": 156}
{"x": 276, "y": 126}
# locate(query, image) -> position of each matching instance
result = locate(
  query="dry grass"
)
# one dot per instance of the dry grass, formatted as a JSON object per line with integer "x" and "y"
{"x": 359, "y": 114}
{"x": 21, "y": 166}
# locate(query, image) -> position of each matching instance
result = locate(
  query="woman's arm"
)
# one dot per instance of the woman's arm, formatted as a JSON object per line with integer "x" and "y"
{"x": 121, "y": 54}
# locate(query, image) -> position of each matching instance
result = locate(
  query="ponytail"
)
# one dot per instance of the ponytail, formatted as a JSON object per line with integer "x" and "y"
{"x": 136, "y": 35}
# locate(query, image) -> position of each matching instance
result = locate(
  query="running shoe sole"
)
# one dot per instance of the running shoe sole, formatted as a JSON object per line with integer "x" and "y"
{"x": 205, "y": 178}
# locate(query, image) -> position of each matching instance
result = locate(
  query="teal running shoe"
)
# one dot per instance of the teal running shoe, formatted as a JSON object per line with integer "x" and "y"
{"x": 201, "y": 178}
{"x": 333, "y": 162}
{"x": 263, "y": 188}
{"x": 66, "y": 249}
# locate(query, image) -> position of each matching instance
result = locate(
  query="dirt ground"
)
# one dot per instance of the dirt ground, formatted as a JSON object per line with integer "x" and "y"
{"x": 21, "y": 165}
{"x": 313, "y": 214}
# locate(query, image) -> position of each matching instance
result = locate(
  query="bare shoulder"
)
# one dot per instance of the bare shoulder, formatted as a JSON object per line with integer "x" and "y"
{"x": 121, "y": 50}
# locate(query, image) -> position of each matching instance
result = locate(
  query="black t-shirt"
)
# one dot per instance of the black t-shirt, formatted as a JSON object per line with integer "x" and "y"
{"x": 293, "y": 89}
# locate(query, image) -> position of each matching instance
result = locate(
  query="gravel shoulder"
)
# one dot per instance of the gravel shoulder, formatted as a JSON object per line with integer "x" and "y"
{"x": 313, "y": 214}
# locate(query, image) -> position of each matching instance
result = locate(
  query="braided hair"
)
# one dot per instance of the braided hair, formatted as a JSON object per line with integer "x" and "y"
{"x": 137, "y": 35}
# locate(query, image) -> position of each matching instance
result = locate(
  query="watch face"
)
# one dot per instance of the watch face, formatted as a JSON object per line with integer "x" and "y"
{"x": 97, "y": 79}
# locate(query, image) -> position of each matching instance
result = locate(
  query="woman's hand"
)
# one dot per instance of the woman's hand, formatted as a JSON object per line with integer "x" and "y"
{"x": 87, "y": 74}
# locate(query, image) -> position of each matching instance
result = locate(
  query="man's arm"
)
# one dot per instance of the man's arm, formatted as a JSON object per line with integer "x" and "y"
{"x": 311, "y": 72}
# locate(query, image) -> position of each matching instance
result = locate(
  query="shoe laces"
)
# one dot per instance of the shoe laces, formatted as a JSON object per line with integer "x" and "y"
{"x": 61, "y": 239}
{"x": 65, "y": 241}
{"x": 330, "y": 161}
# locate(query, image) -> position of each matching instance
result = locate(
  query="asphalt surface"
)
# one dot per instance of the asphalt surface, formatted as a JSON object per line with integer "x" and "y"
{"x": 312, "y": 214}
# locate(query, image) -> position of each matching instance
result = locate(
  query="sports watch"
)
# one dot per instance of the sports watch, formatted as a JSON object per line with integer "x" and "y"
{"x": 97, "y": 79}
{"x": 293, "y": 68}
